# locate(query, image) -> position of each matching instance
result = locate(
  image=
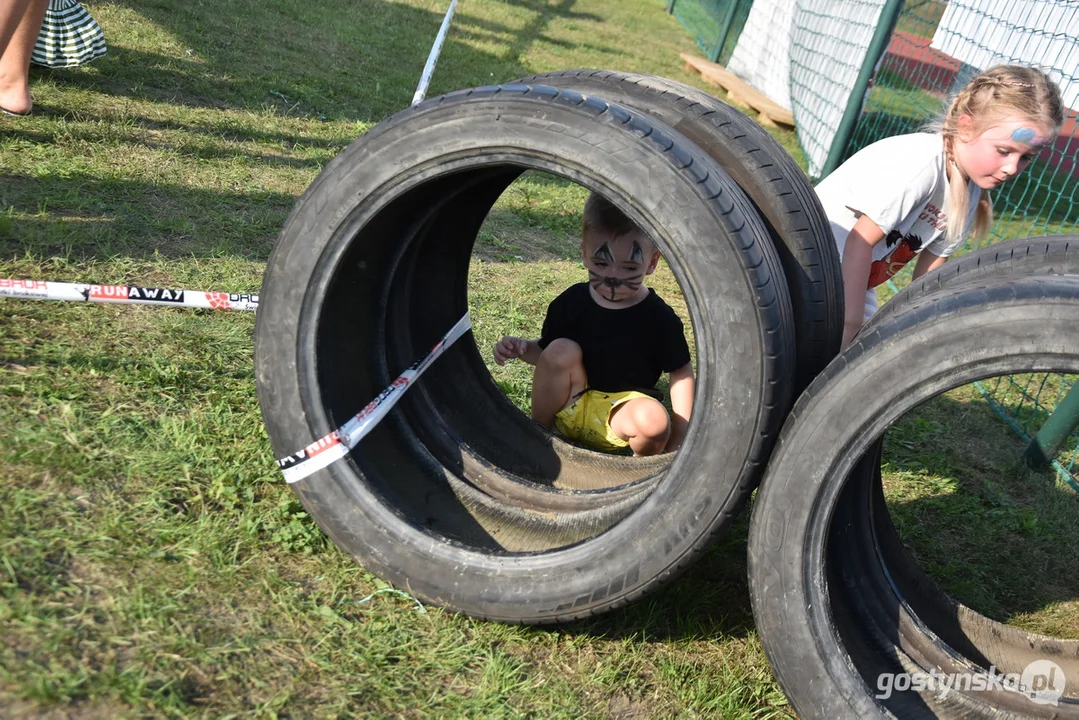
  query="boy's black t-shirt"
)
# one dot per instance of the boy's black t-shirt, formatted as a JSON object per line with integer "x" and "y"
{"x": 624, "y": 349}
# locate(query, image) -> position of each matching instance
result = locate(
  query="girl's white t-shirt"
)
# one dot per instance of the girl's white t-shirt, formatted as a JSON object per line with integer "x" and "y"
{"x": 901, "y": 183}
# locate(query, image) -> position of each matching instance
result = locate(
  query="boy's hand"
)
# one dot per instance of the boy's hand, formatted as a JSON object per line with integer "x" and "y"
{"x": 682, "y": 384}
{"x": 509, "y": 348}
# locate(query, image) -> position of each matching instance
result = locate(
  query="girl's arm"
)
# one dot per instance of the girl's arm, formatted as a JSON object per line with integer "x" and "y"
{"x": 857, "y": 257}
{"x": 927, "y": 262}
{"x": 681, "y": 404}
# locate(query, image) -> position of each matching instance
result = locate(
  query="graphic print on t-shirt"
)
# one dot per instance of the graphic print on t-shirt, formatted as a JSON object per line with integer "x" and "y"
{"x": 905, "y": 250}
{"x": 931, "y": 221}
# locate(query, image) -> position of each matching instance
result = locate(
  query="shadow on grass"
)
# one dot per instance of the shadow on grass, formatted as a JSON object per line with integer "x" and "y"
{"x": 77, "y": 216}
{"x": 334, "y": 60}
{"x": 709, "y": 601}
{"x": 338, "y": 60}
{"x": 198, "y": 141}
{"x": 533, "y": 31}
{"x": 124, "y": 366}
{"x": 999, "y": 538}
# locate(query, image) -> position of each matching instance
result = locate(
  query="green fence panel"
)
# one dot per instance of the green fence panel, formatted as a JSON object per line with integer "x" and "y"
{"x": 933, "y": 48}
{"x": 714, "y": 24}
{"x": 915, "y": 80}
{"x": 834, "y": 49}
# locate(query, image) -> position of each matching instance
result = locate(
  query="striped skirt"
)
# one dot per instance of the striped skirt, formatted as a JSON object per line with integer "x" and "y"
{"x": 68, "y": 37}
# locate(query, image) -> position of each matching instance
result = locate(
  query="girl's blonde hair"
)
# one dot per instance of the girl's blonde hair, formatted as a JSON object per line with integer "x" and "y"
{"x": 991, "y": 96}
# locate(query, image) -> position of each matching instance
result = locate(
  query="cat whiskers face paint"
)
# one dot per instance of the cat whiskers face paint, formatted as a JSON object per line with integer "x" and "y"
{"x": 614, "y": 288}
{"x": 612, "y": 278}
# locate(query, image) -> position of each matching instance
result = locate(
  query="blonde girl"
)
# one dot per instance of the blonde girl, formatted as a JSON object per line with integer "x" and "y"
{"x": 920, "y": 195}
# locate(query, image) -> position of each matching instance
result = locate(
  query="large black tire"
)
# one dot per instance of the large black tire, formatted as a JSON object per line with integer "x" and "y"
{"x": 836, "y": 598}
{"x": 777, "y": 187}
{"x": 372, "y": 267}
{"x": 1041, "y": 255}
{"x": 870, "y": 541}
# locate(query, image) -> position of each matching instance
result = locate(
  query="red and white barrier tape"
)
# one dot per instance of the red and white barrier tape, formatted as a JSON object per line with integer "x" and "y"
{"x": 339, "y": 443}
{"x": 126, "y": 294}
{"x": 300, "y": 464}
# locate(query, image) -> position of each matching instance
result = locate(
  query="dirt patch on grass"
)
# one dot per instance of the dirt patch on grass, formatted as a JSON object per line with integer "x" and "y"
{"x": 98, "y": 710}
{"x": 623, "y": 707}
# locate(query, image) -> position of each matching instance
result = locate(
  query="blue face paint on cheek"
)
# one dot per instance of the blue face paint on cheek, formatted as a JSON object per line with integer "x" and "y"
{"x": 1024, "y": 135}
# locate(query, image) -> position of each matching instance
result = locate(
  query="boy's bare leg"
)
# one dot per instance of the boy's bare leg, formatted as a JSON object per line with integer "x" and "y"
{"x": 20, "y": 23}
{"x": 643, "y": 422}
{"x": 559, "y": 375}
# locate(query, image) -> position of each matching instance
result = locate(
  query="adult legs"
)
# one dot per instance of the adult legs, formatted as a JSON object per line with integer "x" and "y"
{"x": 20, "y": 23}
{"x": 644, "y": 423}
{"x": 559, "y": 376}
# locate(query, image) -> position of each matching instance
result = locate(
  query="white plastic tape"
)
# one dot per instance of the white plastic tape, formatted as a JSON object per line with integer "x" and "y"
{"x": 126, "y": 294}
{"x": 339, "y": 443}
{"x": 432, "y": 57}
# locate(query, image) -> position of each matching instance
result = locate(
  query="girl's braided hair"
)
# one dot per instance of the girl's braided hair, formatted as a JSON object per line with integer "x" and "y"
{"x": 1001, "y": 92}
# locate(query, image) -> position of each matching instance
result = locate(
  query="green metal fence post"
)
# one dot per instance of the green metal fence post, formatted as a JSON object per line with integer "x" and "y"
{"x": 725, "y": 30}
{"x": 670, "y": 6}
{"x": 1056, "y": 430}
{"x": 877, "y": 45}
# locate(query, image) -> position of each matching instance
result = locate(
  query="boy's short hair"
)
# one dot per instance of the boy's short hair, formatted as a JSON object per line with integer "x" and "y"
{"x": 602, "y": 216}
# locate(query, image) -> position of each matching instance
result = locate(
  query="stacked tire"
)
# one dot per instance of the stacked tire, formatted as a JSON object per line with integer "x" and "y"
{"x": 459, "y": 498}
{"x": 839, "y": 602}
{"x": 456, "y": 495}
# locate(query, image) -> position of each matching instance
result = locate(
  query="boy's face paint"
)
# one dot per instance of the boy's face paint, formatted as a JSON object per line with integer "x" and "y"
{"x": 1001, "y": 152}
{"x": 616, "y": 266}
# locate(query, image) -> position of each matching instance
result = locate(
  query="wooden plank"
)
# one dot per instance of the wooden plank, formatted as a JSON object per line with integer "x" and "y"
{"x": 737, "y": 99}
{"x": 766, "y": 121}
{"x": 741, "y": 92}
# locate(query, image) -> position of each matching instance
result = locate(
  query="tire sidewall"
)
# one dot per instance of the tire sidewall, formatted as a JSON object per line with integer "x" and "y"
{"x": 427, "y": 143}
{"x": 974, "y": 334}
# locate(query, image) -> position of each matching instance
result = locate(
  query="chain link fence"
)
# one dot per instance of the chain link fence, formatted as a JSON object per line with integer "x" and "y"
{"x": 715, "y": 24}
{"x": 935, "y": 49}
{"x": 862, "y": 70}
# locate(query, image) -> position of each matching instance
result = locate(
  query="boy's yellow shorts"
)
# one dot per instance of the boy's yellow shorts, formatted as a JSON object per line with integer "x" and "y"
{"x": 587, "y": 419}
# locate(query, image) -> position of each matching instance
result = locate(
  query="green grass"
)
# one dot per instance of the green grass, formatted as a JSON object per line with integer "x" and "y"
{"x": 998, "y": 537}
{"x": 152, "y": 561}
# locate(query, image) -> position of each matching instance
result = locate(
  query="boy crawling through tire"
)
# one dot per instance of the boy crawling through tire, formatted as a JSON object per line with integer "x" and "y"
{"x": 604, "y": 345}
